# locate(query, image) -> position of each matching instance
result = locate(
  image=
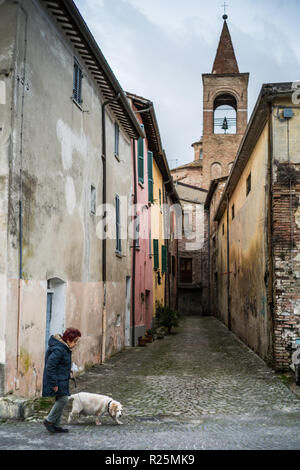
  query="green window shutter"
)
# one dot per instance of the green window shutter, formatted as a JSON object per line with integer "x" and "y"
{"x": 141, "y": 158}
{"x": 150, "y": 245}
{"x": 155, "y": 254}
{"x": 150, "y": 176}
{"x": 164, "y": 258}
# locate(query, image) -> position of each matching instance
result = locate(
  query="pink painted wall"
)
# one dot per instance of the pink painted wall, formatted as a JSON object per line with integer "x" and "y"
{"x": 143, "y": 263}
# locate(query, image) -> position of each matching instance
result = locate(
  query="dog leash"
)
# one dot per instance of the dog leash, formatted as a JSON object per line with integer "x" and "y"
{"x": 73, "y": 379}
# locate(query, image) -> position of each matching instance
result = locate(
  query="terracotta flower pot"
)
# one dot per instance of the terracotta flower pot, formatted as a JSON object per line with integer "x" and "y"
{"x": 149, "y": 339}
{"x": 142, "y": 342}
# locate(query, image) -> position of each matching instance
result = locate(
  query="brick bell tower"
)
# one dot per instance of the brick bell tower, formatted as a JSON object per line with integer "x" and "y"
{"x": 225, "y": 104}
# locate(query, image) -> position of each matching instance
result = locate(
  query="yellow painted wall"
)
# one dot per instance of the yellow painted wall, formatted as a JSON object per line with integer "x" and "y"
{"x": 157, "y": 232}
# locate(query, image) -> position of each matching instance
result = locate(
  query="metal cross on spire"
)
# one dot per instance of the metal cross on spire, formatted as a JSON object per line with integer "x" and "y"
{"x": 225, "y": 5}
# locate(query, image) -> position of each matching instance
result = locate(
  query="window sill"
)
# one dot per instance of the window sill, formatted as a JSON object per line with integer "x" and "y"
{"x": 117, "y": 157}
{"x": 141, "y": 185}
{"x": 118, "y": 254}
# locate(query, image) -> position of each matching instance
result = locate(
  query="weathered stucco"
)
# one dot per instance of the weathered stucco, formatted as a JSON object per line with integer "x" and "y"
{"x": 247, "y": 307}
{"x": 50, "y": 156}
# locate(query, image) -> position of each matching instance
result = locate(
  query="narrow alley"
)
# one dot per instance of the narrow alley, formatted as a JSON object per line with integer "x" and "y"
{"x": 198, "y": 388}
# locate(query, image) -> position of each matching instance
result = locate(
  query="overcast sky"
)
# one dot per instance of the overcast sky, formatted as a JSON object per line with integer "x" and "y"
{"x": 159, "y": 48}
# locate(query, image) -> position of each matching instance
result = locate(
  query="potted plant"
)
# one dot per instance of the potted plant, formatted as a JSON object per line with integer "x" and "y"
{"x": 142, "y": 341}
{"x": 149, "y": 336}
{"x": 166, "y": 317}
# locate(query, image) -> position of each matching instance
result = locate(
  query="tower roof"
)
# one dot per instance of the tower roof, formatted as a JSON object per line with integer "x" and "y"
{"x": 225, "y": 61}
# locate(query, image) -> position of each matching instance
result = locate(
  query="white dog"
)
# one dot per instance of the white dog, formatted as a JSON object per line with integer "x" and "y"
{"x": 92, "y": 404}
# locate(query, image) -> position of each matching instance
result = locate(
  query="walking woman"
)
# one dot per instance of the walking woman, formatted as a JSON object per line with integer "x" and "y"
{"x": 57, "y": 374}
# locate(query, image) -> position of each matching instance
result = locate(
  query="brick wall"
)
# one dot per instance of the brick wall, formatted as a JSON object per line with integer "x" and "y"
{"x": 286, "y": 249}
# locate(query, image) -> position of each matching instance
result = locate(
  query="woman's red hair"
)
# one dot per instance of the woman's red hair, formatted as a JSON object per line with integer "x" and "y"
{"x": 70, "y": 334}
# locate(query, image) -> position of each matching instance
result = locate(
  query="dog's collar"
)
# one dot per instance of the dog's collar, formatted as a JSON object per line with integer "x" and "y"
{"x": 109, "y": 405}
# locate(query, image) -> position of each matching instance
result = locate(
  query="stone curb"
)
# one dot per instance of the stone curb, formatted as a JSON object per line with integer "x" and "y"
{"x": 15, "y": 408}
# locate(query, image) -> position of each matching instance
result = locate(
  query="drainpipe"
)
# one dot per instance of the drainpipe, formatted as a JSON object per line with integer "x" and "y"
{"x": 134, "y": 245}
{"x": 23, "y": 82}
{"x": 104, "y": 215}
{"x": 228, "y": 269}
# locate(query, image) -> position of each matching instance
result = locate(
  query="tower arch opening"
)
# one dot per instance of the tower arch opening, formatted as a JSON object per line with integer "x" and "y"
{"x": 225, "y": 114}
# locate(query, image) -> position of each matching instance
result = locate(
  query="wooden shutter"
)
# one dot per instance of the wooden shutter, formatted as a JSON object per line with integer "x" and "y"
{"x": 155, "y": 254}
{"x": 186, "y": 270}
{"x": 164, "y": 259}
{"x": 77, "y": 79}
{"x": 117, "y": 136}
{"x": 141, "y": 158}
{"x": 118, "y": 226}
{"x": 150, "y": 176}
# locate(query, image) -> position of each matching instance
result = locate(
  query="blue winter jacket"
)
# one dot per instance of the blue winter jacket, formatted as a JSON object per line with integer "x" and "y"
{"x": 57, "y": 367}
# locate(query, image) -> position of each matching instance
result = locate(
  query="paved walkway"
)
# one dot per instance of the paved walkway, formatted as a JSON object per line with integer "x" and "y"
{"x": 198, "y": 389}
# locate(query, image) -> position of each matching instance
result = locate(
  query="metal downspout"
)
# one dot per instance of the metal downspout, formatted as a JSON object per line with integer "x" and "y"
{"x": 116, "y": 98}
{"x": 23, "y": 82}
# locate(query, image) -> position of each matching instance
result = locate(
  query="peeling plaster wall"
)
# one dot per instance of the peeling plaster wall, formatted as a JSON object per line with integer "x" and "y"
{"x": 58, "y": 147}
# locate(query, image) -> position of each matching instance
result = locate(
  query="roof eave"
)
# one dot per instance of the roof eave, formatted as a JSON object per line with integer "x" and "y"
{"x": 134, "y": 130}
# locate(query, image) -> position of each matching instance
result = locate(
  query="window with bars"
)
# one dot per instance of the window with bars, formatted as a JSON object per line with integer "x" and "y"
{"x": 77, "y": 83}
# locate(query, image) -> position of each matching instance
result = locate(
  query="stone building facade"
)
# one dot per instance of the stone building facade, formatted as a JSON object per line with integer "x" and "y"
{"x": 65, "y": 130}
{"x": 255, "y": 276}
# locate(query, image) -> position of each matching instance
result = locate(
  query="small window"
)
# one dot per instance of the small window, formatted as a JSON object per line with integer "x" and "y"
{"x": 186, "y": 270}
{"x": 232, "y": 212}
{"x": 117, "y": 139}
{"x": 93, "y": 200}
{"x": 223, "y": 229}
{"x": 248, "y": 185}
{"x": 118, "y": 226}
{"x": 77, "y": 83}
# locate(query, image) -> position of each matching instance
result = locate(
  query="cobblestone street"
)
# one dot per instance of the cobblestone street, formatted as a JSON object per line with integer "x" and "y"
{"x": 200, "y": 388}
